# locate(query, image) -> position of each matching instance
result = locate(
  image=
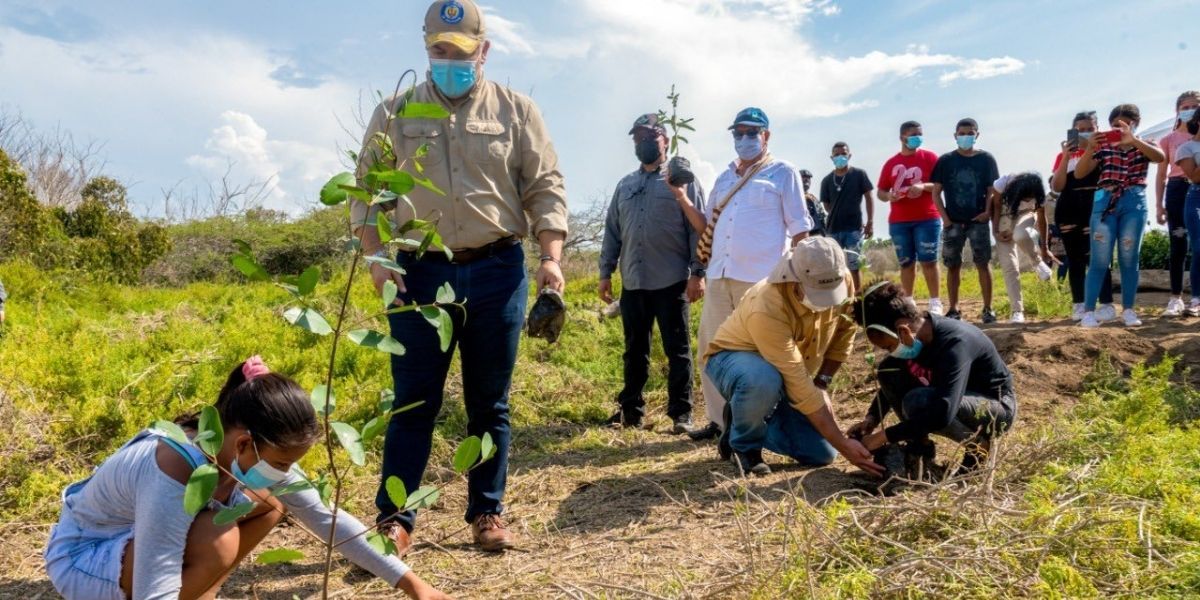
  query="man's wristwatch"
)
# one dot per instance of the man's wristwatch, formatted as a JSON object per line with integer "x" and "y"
{"x": 823, "y": 380}
{"x": 547, "y": 257}
{"x": 701, "y": 273}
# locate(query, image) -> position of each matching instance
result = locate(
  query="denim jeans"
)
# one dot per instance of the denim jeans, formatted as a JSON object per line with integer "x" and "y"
{"x": 916, "y": 241}
{"x": 762, "y": 416}
{"x": 496, "y": 291}
{"x": 1121, "y": 228}
{"x": 640, "y": 309}
{"x": 852, "y": 243}
{"x": 1191, "y": 217}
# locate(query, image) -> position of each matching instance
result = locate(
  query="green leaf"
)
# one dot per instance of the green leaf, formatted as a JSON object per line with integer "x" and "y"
{"x": 200, "y": 487}
{"x": 445, "y": 294}
{"x": 386, "y": 263}
{"x": 308, "y": 319}
{"x": 467, "y": 454}
{"x": 422, "y": 498}
{"x": 384, "y": 226}
{"x": 307, "y": 282}
{"x": 171, "y": 430}
{"x": 203, "y": 435}
{"x": 429, "y": 185}
{"x": 292, "y": 488}
{"x": 374, "y": 428}
{"x": 233, "y": 513}
{"x": 353, "y": 156}
{"x": 408, "y": 407}
{"x": 487, "y": 448}
{"x": 249, "y": 268}
{"x": 279, "y": 555}
{"x": 381, "y": 543}
{"x": 440, "y": 319}
{"x": 383, "y": 196}
{"x": 210, "y": 421}
{"x": 423, "y": 110}
{"x": 333, "y": 194}
{"x": 373, "y": 339}
{"x": 350, "y": 440}
{"x": 320, "y": 396}
{"x": 243, "y": 247}
{"x": 395, "y": 491}
{"x": 390, "y": 291}
{"x": 399, "y": 182}
{"x": 387, "y": 399}
{"x": 356, "y": 192}
{"x": 422, "y": 151}
{"x": 325, "y": 489}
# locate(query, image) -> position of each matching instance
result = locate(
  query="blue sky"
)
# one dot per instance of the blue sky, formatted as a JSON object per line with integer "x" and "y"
{"x": 176, "y": 90}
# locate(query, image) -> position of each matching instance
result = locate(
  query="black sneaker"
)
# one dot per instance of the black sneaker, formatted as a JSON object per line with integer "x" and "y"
{"x": 724, "y": 449}
{"x": 954, "y": 314}
{"x": 989, "y": 316}
{"x": 682, "y": 424}
{"x": 750, "y": 463}
{"x": 621, "y": 419}
{"x": 707, "y": 432}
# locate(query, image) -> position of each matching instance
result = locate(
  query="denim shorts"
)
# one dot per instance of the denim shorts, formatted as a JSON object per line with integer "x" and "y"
{"x": 956, "y": 237}
{"x": 916, "y": 241}
{"x": 851, "y": 242}
{"x": 84, "y": 564}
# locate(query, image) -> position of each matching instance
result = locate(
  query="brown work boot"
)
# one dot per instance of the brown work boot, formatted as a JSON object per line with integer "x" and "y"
{"x": 491, "y": 534}
{"x": 399, "y": 536}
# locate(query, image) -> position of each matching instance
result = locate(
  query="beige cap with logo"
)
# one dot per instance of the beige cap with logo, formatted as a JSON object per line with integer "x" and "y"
{"x": 457, "y": 22}
{"x": 818, "y": 264}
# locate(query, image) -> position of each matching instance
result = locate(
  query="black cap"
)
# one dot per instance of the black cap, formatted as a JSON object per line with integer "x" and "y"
{"x": 805, "y": 173}
{"x": 648, "y": 121}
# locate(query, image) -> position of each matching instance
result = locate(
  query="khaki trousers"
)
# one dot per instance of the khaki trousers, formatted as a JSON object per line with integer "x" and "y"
{"x": 721, "y": 296}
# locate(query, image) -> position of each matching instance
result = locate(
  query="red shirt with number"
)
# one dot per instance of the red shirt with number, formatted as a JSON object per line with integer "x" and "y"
{"x": 901, "y": 172}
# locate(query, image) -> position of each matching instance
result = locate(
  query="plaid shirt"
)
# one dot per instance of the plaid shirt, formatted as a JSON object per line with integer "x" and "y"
{"x": 1121, "y": 168}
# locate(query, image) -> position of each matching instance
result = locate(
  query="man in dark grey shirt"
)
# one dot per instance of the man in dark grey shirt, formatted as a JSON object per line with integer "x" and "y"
{"x": 651, "y": 230}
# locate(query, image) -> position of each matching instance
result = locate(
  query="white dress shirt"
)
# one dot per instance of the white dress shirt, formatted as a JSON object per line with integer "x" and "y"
{"x": 755, "y": 228}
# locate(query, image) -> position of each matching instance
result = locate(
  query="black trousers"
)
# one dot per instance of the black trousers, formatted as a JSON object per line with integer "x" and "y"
{"x": 1078, "y": 244}
{"x": 1177, "y": 190}
{"x": 639, "y": 311}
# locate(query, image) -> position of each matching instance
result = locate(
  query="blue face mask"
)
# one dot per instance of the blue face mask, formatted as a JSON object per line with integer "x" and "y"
{"x": 841, "y": 161}
{"x": 904, "y": 352}
{"x": 261, "y": 476}
{"x": 913, "y": 142}
{"x": 965, "y": 142}
{"x": 1085, "y": 135}
{"x": 748, "y": 147}
{"x": 454, "y": 78}
{"x": 1186, "y": 115}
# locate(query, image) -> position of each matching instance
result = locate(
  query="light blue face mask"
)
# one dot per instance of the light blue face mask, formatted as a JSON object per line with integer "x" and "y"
{"x": 1085, "y": 135}
{"x": 965, "y": 142}
{"x": 1186, "y": 115}
{"x": 903, "y": 352}
{"x": 748, "y": 147}
{"x": 840, "y": 161}
{"x": 913, "y": 142}
{"x": 261, "y": 476}
{"x": 454, "y": 78}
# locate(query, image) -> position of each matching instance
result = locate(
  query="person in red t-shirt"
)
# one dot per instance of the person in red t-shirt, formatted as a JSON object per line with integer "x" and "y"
{"x": 914, "y": 222}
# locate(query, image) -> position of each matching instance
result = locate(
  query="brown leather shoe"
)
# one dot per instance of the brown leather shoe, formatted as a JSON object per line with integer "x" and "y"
{"x": 399, "y": 536}
{"x": 491, "y": 534}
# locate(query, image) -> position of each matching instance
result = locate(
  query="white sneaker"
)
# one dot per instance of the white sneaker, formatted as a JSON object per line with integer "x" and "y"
{"x": 1131, "y": 318}
{"x": 1017, "y": 317}
{"x": 1043, "y": 271}
{"x": 1077, "y": 312}
{"x": 1106, "y": 312}
{"x": 1174, "y": 308}
{"x": 1193, "y": 309}
{"x": 935, "y": 307}
{"x": 1089, "y": 320}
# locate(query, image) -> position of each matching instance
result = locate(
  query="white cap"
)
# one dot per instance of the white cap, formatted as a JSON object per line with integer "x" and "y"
{"x": 818, "y": 264}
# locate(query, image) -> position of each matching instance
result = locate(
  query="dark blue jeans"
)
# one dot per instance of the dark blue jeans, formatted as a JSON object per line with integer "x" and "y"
{"x": 496, "y": 291}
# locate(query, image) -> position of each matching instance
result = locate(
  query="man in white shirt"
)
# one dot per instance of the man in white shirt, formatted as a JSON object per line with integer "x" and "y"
{"x": 747, "y": 234}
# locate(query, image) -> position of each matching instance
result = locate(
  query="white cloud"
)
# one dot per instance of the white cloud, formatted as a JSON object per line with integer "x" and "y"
{"x": 983, "y": 69}
{"x": 506, "y": 36}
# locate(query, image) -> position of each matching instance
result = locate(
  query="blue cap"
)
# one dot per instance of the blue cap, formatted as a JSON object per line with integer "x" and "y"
{"x": 753, "y": 117}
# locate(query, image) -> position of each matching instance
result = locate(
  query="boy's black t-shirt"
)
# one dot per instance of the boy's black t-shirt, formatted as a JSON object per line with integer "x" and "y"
{"x": 965, "y": 182}
{"x": 845, "y": 205}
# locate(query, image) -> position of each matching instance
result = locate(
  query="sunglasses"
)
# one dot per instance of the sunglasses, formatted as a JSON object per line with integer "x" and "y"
{"x": 750, "y": 132}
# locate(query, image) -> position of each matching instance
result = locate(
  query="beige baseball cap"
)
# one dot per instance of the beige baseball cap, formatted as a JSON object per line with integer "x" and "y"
{"x": 818, "y": 264}
{"x": 457, "y": 22}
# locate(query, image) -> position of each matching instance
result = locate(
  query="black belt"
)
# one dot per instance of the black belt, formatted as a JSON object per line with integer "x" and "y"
{"x": 469, "y": 255}
{"x": 1178, "y": 178}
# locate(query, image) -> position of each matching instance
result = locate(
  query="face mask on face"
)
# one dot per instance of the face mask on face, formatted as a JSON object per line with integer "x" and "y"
{"x": 1085, "y": 135}
{"x": 904, "y": 352}
{"x": 841, "y": 161}
{"x": 1186, "y": 114}
{"x": 748, "y": 147}
{"x": 261, "y": 476}
{"x": 965, "y": 142}
{"x": 454, "y": 78}
{"x": 913, "y": 142}
{"x": 648, "y": 151}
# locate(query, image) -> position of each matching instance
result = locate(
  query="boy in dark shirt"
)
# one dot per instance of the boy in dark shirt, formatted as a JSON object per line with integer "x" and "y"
{"x": 842, "y": 193}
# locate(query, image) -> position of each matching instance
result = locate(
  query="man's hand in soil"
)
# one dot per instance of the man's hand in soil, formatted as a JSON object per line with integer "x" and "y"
{"x": 862, "y": 428}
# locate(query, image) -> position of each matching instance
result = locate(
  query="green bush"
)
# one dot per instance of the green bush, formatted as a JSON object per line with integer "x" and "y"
{"x": 1156, "y": 250}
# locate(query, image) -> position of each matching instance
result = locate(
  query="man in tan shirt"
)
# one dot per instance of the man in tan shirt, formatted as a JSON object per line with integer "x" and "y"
{"x": 762, "y": 359}
{"x": 494, "y": 161}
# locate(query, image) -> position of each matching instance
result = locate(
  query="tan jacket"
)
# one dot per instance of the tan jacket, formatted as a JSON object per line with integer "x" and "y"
{"x": 771, "y": 320}
{"x": 493, "y": 157}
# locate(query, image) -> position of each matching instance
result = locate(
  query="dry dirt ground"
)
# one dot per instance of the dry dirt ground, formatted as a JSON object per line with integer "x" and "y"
{"x": 641, "y": 514}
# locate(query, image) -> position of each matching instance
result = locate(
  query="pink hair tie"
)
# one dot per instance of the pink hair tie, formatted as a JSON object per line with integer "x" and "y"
{"x": 254, "y": 367}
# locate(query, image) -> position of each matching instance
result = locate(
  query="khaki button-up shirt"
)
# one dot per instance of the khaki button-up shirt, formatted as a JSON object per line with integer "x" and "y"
{"x": 493, "y": 157}
{"x": 771, "y": 320}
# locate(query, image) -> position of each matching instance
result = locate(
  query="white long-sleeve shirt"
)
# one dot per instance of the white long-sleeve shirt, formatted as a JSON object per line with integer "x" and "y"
{"x": 755, "y": 228}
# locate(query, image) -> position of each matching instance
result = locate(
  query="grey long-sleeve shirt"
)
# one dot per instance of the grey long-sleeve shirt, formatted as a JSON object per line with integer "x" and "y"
{"x": 648, "y": 234}
{"x": 129, "y": 490}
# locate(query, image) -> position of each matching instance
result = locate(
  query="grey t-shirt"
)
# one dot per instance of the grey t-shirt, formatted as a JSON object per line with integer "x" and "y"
{"x": 1188, "y": 150}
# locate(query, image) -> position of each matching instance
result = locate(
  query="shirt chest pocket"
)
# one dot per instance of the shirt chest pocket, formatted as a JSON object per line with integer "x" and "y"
{"x": 488, "y": 141}
{"x": 758, "y": 196}
{"x": 416, "y": 135}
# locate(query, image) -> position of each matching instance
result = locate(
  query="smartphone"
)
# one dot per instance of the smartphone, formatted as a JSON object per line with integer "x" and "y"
{"x": 1112, "y": 137}
{"x": 1073, "y": 139}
